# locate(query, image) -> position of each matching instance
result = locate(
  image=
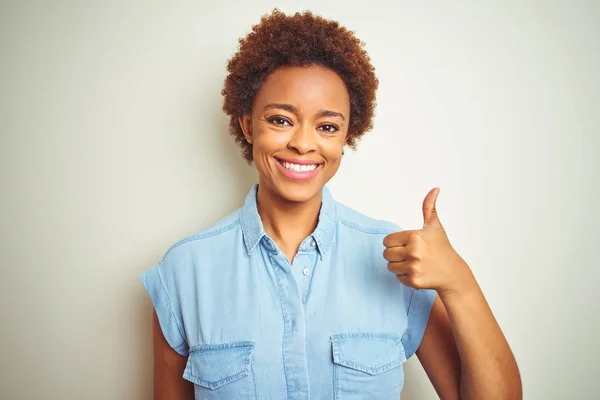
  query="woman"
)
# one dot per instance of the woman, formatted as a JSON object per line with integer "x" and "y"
{"x": 295, "y": 295}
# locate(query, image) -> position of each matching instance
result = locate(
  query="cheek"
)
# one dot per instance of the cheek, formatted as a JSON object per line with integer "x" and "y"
{"x": 333, "y": 153}
{"x": 336, "y": 147}
{"x": 264, "y": 145}
{"x": 266, "y": 141}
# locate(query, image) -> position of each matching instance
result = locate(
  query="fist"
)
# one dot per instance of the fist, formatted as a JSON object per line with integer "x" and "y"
{"x": 424, "y": 258}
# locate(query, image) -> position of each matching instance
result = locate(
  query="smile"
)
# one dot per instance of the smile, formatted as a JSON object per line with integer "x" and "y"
{"x": 298, "y": 167}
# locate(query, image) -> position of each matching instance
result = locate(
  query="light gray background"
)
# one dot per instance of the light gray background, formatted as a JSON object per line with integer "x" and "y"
{"x": 113, "y": 146}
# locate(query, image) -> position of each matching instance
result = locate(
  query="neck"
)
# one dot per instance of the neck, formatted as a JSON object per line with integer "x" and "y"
{"x": 287, "y": 223}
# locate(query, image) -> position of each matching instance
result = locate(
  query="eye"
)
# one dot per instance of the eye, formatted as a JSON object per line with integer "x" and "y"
{"x": 279, "y": 121}
{"x": 329, "y": 128}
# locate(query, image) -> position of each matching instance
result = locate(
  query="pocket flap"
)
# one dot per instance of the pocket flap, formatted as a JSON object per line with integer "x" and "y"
{"x": 215, "y": 365}
{"x": 372, "y": 353}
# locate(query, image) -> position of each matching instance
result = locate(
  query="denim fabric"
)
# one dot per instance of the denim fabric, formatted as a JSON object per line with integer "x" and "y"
{"x": 333, "y": 324}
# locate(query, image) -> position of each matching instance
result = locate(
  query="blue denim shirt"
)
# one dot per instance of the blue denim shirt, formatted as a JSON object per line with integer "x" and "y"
{"x": 333, "y": 324}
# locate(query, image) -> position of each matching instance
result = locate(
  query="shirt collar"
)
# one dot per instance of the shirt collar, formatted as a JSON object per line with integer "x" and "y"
{"x": 253, "y": 230}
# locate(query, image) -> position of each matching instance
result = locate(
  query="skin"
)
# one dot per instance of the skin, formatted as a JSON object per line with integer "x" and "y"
{"x": 168, "y": 368}
{"x": 463, "y": 350}
{"x": 300, "y": 113}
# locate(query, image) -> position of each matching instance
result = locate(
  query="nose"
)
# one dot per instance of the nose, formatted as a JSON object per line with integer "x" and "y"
{"x": 303, "y": 139}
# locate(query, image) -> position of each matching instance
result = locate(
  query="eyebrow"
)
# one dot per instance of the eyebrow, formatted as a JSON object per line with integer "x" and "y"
{"x": 291, "y": 108}
{"x": 329, "y": 113}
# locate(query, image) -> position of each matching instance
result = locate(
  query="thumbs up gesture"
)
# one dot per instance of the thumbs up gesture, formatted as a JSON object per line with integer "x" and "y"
{"x": 424, "y": 258}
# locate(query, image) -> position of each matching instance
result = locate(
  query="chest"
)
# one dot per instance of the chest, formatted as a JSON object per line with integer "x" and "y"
{"x": 319, "y": 327}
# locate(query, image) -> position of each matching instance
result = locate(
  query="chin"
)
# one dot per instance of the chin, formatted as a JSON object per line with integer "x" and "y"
{"x": 298, "y": 192}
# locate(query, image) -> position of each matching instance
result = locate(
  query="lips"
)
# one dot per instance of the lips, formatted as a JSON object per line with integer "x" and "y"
{"x": 298, "y": 169}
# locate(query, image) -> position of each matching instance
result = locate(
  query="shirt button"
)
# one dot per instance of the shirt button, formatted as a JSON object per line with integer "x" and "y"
{"x": 306, "y": 271}
{"x": 313, "y": 243}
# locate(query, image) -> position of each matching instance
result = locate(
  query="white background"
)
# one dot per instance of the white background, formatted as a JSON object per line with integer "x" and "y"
{"x": 113, "y": 146}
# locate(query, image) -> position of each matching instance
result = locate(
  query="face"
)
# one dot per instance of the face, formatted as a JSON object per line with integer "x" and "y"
{"x": 298, "y": 128}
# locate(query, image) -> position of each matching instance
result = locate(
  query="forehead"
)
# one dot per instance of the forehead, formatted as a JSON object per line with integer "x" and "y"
{"x": 307, "y": 88}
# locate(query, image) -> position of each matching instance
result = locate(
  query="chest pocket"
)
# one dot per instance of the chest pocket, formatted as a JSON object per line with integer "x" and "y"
{"x": 367, "y": 365}
{"x": 222, "y": 371}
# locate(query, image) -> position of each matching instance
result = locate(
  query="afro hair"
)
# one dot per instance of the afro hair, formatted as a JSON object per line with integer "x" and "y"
{"x": 302, "y": 39}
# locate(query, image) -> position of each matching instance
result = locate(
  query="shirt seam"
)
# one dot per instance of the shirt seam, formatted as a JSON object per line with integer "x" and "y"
{"x": 410, "y": 302}
{"x": 179, "y": 327}
{"x": 363, "y": 229}
{"x": 202, "y": 235}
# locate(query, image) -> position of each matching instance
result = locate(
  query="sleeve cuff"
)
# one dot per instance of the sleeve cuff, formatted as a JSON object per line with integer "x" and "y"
{"x": 418, "y": 312}
{"x": 161, "y": 301}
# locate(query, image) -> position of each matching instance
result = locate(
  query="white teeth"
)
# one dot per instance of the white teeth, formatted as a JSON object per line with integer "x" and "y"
{"x": 298, "y": 167}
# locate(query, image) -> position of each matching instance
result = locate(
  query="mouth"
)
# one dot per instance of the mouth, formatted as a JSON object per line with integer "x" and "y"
{"x": 298, "y": 169}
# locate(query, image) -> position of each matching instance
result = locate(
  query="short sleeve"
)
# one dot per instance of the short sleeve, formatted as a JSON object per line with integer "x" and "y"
{"x": 154, "y": 283}
{"x": 418, "y": 307}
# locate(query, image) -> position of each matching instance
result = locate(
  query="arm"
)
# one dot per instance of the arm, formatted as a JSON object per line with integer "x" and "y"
{"x": 464, "y": 352}
{"x": 168, "y": 368}
{"x": 438, "y": 354}
{"x": 462, "y": 336}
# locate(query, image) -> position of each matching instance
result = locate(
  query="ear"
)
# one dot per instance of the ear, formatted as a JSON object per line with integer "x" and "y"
{"x": 348, "y": 135}
{"x": 246, "y": 125}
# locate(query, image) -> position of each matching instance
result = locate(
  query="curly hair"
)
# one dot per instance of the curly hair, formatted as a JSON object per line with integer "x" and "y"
{"x": 302, "y": 39}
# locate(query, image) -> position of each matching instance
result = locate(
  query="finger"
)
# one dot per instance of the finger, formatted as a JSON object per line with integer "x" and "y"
{"x": 397, "y": 238}
{"x": 404, "y": 279}
{"x": 396, "y": 253}
{"x": 430, "y": 215}
{"x": 399, "y": 267}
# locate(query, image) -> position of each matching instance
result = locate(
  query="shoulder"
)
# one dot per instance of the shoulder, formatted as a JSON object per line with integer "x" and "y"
{"x": 211, "y": 237}
{"x": 181, "y": 263}
{"x": 360, "y": 223}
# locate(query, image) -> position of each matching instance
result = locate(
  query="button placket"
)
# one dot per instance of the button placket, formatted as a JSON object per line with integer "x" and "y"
{"x": 293, "y": 349}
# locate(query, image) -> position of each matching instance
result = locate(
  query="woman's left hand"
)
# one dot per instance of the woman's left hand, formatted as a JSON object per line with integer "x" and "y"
{"x": 424, "y": 258}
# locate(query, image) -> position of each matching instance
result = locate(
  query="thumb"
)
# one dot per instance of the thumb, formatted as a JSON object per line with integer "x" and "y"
{"x": 430, "y": 216}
